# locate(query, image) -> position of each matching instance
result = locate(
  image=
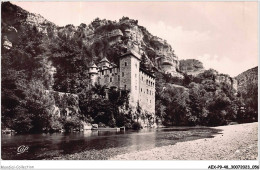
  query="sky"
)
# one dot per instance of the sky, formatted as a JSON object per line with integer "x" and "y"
{"x": 222, "y": 35}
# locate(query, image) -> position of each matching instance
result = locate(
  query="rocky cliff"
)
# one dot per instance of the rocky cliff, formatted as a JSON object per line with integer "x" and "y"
{"x": 113, "y": 38}
{"x": 191, "y": 66}
{"x": 194, "y": 68}
{"x": 249, "y": 77}
{"x": 100, "y": 38}
{"x": 224, "y": 78}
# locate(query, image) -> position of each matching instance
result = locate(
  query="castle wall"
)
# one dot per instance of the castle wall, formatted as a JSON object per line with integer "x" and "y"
{"x": 147, "y": 92}
{"x": 104, "y": 65}
{"x": 93, "y": 75}
{"x": 93, "y": 78}
{"x": 109, "y": 77}
{"x": 129, "y": 78}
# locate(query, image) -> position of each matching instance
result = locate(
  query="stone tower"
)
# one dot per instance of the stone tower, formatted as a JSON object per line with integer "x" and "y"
{"x": 104, "y": 64}
{"x": 129, "y": 75}
{"x": 93, "y": 74}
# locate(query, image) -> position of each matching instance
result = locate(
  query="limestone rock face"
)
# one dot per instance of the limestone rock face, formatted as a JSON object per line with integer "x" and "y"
{"x": 222, "y": 78}
{"x": 6, "y": 43}
{"x": 191, "y": 66}
{"x": 66, "y": 104}
{"x": 166, "y": 60}
{"x": 248, "y": 77}
{"x": 121, "y": 36}
{"x": 38, "y": 23}
{"x": 101, "y": 38}
{"x": 10, "y": 35}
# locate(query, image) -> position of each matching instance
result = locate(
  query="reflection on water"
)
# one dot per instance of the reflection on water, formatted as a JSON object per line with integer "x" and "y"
{"x": 44, "y": 145}
{"x": 88, "y": 133}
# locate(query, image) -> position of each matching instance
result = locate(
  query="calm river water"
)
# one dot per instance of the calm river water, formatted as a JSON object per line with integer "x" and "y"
{"x": 49, "y": 146}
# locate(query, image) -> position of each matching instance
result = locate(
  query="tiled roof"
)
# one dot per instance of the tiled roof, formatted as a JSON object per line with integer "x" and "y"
{"x": 93, "y": 65}
{"x": 104, "y": 60}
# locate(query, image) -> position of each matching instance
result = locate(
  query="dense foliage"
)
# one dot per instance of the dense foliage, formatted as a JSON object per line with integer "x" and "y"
{"x": 203, "y": 101}
{"x": 25, "y": 104}
{"x": 110, "y": 110}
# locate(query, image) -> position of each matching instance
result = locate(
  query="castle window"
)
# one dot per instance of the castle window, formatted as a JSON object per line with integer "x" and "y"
{"x": 150, "y": 101}
{"x": 122, "y": 74}
{"x": 125, "y": 63}
{"x": 141, "y": 89}
{"x": 150, "y": 92}
{"x": 146, "y": 81}
{"x": 147, "y": 91}
{"x": 102, "y": 72}
{"x": 110, "y": 70}
{"x": 142, "y": 78}
{"x": 110, "y": 79}
{"x": 135, "y": 65}
{"x": 135, "y": 87}
{"x": 125, "y": 86}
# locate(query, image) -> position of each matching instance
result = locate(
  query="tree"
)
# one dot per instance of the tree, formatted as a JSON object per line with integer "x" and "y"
{"x": 196, "y": 103}
{"x": 249, "y": 108}
{"x": 177, "y": 108}
{"x": 160, "y": 110}
{"x": 108, "y": 111}
{"x": 138, "y": 112}
{"x": 99, "y": 90}
{"x": 218, "y": 109}
{"x": 38, "y": 104}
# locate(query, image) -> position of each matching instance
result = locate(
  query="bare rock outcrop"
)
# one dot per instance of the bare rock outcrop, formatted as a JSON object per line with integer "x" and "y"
{"x": 191, "y": 66}
{"x": 247, "y": 77}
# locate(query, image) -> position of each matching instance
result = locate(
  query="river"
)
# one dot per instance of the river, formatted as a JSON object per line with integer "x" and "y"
{"x": 98, "y": 145}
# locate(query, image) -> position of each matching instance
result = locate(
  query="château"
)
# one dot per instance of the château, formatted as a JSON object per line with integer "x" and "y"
{"x": 128, "y": 75}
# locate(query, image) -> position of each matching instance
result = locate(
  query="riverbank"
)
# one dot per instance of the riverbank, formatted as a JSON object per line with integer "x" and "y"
{"x": 105, "y": 145}
{"x": 234, "y": 142}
